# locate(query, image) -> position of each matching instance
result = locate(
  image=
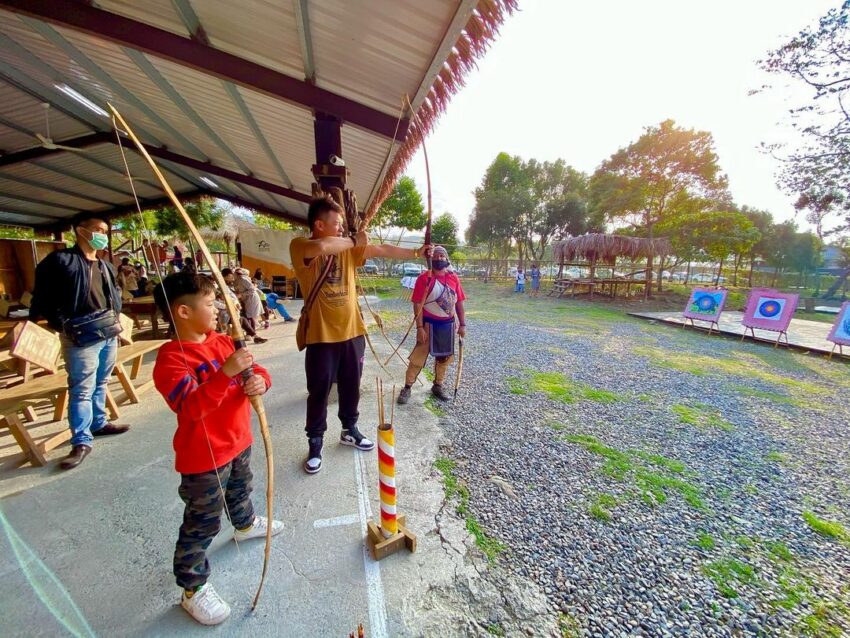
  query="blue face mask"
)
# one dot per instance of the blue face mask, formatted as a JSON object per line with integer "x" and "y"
{"x": 440, "y": 264}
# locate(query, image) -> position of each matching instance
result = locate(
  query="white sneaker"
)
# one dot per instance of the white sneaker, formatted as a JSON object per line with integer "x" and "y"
{"x": 258, "y": 529}
{"x": 206, "y": 606}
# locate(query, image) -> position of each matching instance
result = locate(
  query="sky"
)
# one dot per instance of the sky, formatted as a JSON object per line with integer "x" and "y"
{"x": 579, "y": 80}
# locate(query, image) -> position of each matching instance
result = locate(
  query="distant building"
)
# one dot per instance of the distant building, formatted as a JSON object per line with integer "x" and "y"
{"x": 833, "y": 260}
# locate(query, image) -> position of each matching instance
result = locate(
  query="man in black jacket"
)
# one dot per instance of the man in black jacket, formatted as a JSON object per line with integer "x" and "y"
{"x": 72, "y": 285}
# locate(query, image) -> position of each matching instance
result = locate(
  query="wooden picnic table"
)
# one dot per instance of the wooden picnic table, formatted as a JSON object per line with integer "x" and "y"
{"x": 143, "y": 307}
{"x": 560, "y": 287}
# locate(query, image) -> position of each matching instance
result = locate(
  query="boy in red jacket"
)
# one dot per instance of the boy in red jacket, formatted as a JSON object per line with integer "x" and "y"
{"x": 198, "y": 374}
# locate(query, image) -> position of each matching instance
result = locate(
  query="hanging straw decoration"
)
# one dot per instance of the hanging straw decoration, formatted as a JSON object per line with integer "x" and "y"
{"x": 481, "y": 29}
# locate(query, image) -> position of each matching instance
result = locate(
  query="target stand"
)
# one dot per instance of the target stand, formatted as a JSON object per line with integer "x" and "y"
{"x": 778, "y": 336}
{"x": 840, "y": 350}
{"x": 711, "y": 324}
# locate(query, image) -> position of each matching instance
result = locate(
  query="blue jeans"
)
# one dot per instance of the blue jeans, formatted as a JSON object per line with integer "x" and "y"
{"x": 520, "y": 288}
{"x": 89, "y": 369}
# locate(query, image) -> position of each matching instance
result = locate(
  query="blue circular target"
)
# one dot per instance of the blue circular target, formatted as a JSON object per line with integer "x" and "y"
{"x": 706, "y": 303}
{"x": 847, "y": 325}
{"x": 770, "y": 308}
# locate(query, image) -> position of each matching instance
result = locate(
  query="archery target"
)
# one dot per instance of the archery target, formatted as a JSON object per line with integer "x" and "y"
{"x": 769, "y": 309}
{"x": 706, "y": 303}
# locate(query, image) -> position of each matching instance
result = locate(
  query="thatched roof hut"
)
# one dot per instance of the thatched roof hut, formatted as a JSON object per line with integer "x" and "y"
{"x": 598, "y": 247}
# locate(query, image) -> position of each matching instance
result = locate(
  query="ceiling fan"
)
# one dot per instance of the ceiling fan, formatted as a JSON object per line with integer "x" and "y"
{"x": 46, "y": 141}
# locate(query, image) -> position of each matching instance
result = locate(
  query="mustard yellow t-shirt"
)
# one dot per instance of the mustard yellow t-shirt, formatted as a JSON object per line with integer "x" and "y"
{"x": 335, "y": 315}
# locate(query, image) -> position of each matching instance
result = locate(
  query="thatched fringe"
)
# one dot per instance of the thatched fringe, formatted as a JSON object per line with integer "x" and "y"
{"x": 606, "y": 248}
{"x": 480, "y": 31}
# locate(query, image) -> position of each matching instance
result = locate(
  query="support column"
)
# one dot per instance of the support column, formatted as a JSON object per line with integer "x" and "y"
{"x": 331, "y": 177}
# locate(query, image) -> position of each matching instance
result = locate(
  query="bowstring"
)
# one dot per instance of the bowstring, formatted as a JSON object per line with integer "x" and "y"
{"x": 149, "y": 233}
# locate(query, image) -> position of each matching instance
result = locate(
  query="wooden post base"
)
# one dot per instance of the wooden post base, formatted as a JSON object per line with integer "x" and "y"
{"x": 382, "y": 547}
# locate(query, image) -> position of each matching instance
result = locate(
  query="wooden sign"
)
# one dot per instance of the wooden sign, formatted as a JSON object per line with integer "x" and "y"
{"x": 126, "y": 335}
{"x": 36, "y": 345}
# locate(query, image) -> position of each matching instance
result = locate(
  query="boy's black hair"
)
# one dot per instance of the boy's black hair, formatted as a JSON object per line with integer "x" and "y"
{"x": 320, "y": 206}
{"x": 175, "y": 288}
{"x": 226, "y": 271}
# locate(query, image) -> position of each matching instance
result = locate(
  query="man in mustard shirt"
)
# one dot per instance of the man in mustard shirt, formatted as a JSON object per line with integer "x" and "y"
{"x": 335, "y": 335}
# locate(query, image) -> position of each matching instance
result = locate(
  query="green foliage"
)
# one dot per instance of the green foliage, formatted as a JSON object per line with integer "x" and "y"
{"x": 433, "y": 405}
{"x": 16, "y": 232}
{"x": 558, "y": 387}
{"x": 444, "y": 231}
{"x": 569, "y": 626}
{"x": 705, "y": 541}
{"x": 779, "y": 550}
{"x": 702, "y": 416}
{"x": 204, "y": 213}
{"x": 667, "y": 171}
{"x": 830, "y": 529}
{"x": 403, "y": 208}
{"x": 728, "y": 573}
{"x": 601, "y": 507}
{"x": 268, "y": 221}
{"x": 495, "y": 630}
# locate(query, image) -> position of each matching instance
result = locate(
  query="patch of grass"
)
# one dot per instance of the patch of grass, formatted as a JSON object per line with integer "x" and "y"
{"x": 821, "y": 623}
{"x": 556, "y": 425}
{"x": 601, "y": 507}
{"x": 745, "y": 541}
{"x": 453, "y": 487}
{"x": 729, "y": 573}
{"x": 794, "y": 589}
{"x": 779, "y": 551}
{"x": 777, "y": 457}
{"x": 569, "y": 626}
{"x": 653, "y": 485}
{"x": 701, "y": 415}
{"x": 705, "y": 541}
{"x": 773, "y": 397}
{"x": 429, "y": 374}
{"x": 433, "y": 405}
{"x": 517, "y": 386}
{"x": 746, "y": 367}
{"x": 830, "y": 529}
{"x": 495, "y": 630}
{"x": 558, "y": 387}
{"x": 662, "y": 461}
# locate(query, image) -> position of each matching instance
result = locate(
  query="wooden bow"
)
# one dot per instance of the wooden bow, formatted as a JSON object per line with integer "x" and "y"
{"x": 236, "y": 334}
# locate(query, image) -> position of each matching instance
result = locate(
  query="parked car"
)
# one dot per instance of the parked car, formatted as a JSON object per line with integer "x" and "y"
{"x": 408, "y": 270}
{"x": 678, "y": 276}
{"x": 369, "y": 268}
{"x": 706, "y": 278}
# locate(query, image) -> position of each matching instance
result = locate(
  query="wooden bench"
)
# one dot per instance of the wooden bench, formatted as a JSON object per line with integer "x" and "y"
{"x": 134, "y": 354}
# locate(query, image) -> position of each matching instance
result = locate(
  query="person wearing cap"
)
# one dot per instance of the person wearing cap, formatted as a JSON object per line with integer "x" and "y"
{"x": 437, "y": 306}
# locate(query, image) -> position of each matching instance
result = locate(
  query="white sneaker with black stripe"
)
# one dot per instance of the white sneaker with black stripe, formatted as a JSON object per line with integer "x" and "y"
{"x": 352, "y": 437}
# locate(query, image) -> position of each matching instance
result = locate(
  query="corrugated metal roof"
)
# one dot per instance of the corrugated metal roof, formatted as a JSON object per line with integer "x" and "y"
{"x": 211, "y": 119}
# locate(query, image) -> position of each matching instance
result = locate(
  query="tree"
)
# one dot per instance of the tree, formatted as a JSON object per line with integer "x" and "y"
{"x": 204, "y": 213}
{"x": 444, "y": 231}
{"x": 270, "y": 221}
{"x": 818, "y": 168}
{"x": 403, "y": 209}
{"x": 668, "y": 171}
{"x": 762, "y": 221}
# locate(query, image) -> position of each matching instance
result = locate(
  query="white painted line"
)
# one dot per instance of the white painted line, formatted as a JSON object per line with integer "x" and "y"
{"x": 374, "y": 586}
{"x": 348, "y": 519}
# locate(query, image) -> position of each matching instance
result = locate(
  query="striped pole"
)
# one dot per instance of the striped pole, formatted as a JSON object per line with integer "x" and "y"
{"x": 386, "y": 471}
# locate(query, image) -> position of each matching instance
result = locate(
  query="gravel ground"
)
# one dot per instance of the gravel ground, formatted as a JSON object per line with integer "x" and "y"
{"x": 683, "y": 515}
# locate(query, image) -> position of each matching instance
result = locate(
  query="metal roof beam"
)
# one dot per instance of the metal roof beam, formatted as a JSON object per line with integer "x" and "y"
{"x": 212, "y": 169}
{"x": 39, "y": 152}
{"x": 302, "y": 22}
{"x": 99, "y": 23}
{"x": 38, "y": 202}
{"x": 191, "y": 21}
{"x": 244, "y": 203}
{"x": 23, "y": 213}
{"x": 55, "y": 189}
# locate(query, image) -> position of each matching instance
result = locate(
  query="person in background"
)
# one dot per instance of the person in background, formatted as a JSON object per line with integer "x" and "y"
{"x": 127, "y": 277}
{"x": 437, "y": 307}
{"x": 142, "y": 277}
{"x": 535, "y": 280}
{"x": 247, "y": 328}
{"x": 78, "y": 294}
{"x": 520, "y": 280}
{"x": 177, "y": 260}
{"x": 189, "y": 266}
{"x": 260, "y": 278}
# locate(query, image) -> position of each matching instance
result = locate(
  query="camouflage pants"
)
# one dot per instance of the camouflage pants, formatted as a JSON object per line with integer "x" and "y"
{"x": 202, "y": 516}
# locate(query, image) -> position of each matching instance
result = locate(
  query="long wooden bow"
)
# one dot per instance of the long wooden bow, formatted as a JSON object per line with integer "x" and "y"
{"x": 236, "y": 334}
